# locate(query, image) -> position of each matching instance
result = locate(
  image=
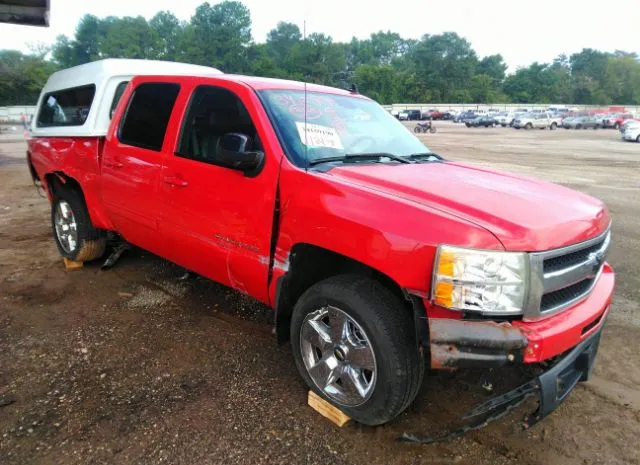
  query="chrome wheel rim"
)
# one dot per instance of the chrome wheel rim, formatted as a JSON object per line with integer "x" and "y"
{"x": 338, "y": 356}
{"x": 66, "y": 227}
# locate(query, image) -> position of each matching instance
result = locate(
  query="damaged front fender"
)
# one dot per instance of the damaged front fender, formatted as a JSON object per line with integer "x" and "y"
{"x": 457, "y": 344}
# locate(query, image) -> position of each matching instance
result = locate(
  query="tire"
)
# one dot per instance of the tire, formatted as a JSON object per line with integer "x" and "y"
{"x": 597, "y": 126}
{"x": 432, "y": 130}
{"x": 378, "y": 321}
{"x": 417, "y": 129}
{"x": 578, "y": 126}
{"x": 617, "y": 126}
{"x": 528, "y": 126}
{"x": 69, "y": 213}
{"x": 638, "y": 139}
{"x": 553, "y": 126}
{"x": 467, "y": 124}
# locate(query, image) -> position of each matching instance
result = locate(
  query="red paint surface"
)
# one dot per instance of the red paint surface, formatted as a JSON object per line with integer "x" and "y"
{"x": 218, "y": 222}
{"x": 552, "y": 336}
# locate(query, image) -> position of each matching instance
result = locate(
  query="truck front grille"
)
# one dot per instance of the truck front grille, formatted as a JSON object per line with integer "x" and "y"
{"x": 562, "y": 277}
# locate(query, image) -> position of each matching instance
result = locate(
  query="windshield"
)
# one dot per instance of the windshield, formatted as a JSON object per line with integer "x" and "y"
{"x": 337, "y": 125}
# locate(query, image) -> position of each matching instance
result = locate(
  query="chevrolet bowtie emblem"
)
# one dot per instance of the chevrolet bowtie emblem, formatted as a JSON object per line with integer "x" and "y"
{"x": 596, "y": 259}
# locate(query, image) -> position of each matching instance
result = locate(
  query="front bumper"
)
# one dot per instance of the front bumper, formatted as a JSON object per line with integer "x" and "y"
{"x": 551, "y": 387}
{"x": 456, "y": 343}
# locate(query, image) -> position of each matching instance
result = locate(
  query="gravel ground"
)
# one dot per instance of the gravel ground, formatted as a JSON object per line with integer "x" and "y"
{"x": 135, "y": 365}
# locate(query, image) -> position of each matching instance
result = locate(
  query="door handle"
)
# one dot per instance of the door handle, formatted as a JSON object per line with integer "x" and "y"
{"x": 175, "y": 181}
{"x": 113, "y": 163}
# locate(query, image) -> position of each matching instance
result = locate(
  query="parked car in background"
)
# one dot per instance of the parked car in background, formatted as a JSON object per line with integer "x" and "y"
{"x": 630, "y": 122}
{"x": 567, "y": 121}
{"x": 433, "y": 114}
{"x": 466, "y": 116}
{"x": 536, "y": 120}
{"x": 632, "y": 131}
{"x": 484, "y": 121}
{"x": 582, "y": 122}
{"x": 504, "y": 118}
{"x": 414, "y": 115}
{"x": 620, "y": 119}
{"x": 403, "y": 116}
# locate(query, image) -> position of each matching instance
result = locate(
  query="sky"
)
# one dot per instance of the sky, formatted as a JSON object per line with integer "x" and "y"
{"x": 523, "y": 32}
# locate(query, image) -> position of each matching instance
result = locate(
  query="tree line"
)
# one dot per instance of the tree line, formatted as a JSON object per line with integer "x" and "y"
{"x": 441, "y": 68}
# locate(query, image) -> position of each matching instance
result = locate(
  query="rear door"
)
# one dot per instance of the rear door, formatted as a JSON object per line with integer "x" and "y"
{"x": 132, "y": 161}
{"x": 217, "y": 221}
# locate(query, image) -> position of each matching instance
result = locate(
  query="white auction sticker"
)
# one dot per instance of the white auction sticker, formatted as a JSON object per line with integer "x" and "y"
{"x": 319, "y": 136}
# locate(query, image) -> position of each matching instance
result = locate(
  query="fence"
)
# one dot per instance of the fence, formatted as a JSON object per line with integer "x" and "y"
{"x": 13, "y": 114}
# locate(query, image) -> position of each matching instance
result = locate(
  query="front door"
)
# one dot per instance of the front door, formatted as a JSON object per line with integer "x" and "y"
{"x": 217, "y": 221}
{"x": 132, "y": 163}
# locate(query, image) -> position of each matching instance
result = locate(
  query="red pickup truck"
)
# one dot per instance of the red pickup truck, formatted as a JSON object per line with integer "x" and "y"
{"x": 378, "y": 256}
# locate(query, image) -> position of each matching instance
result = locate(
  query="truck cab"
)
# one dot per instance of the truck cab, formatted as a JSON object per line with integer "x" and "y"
{"x": 379, "y": 257}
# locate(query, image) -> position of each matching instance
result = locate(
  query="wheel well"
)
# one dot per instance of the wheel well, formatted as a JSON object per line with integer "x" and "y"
{"x": 32, "y": 169}
{"x": 58, "y": 180}
{"x": 309, "y": 264}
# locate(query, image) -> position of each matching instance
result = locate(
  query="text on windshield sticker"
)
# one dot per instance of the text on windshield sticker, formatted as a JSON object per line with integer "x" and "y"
{"x": 317, "y": 135}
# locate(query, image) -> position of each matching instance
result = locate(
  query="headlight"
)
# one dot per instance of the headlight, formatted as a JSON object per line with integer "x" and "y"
{"x": 480, "y": 280}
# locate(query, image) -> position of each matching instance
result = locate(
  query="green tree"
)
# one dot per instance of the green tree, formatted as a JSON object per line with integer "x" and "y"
{"x": 446, "y": 62}
{"x": 219, "y": 36}
{"x": 281, "y": 39}
{"x": 622, "y": 79}
{"x": 168, "y": 31}
{"x": 22, "y": 77}
{"x": 377, "y": 82}
{"x": 128, "y": 38}
{"x": 494, "y": 67}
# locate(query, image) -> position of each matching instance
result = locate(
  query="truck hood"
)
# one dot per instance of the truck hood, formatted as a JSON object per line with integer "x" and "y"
{"x": 524, "y": 214}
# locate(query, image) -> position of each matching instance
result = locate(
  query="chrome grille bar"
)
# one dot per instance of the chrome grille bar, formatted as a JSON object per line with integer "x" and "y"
{"x": 574, "y": 271}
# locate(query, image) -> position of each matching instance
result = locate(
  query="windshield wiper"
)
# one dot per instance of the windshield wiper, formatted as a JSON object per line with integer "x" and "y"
{"x": 359, "y": 156}
{"x": 430, "y": 156}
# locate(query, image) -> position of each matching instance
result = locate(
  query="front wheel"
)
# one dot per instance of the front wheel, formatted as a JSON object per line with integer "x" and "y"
{"x": 354, "y": 344}
{"x": 73, "y": 232}
{"x": 638, "y": 139}
{"x": 553, "y": 126}
{"x": 432, "y": 130}
{"x": 528, "y": 126}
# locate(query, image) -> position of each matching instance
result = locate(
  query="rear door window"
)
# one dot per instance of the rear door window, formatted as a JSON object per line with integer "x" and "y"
{"x": 68, "y": 107}
{"x": 147, "y": 116}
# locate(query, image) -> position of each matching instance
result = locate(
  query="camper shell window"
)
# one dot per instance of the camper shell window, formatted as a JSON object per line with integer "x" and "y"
{"x": 68, "y": 107}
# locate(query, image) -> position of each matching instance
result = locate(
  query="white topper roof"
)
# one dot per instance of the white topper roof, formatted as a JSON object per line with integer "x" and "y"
{"x": 106, "y": 75}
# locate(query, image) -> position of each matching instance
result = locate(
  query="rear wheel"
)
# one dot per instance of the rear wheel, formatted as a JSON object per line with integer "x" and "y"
{"x": 617, "y": 126}
{"x": 528, "y": 126}
{"x": 73, "y": 232}
{"x": 417, "y": 129}
{"x": 553, "y": 126}
{"x": 354, "y": 344}
{"x": 638, "y": 138}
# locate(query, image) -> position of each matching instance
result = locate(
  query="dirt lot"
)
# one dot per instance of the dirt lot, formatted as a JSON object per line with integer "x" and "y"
{"x": 134, "y": 365}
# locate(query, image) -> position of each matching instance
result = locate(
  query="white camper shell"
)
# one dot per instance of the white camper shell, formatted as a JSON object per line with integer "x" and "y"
{"x": 78, "y": 101}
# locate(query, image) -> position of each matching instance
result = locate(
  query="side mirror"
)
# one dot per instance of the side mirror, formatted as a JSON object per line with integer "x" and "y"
{"x": 231, "y": 152}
